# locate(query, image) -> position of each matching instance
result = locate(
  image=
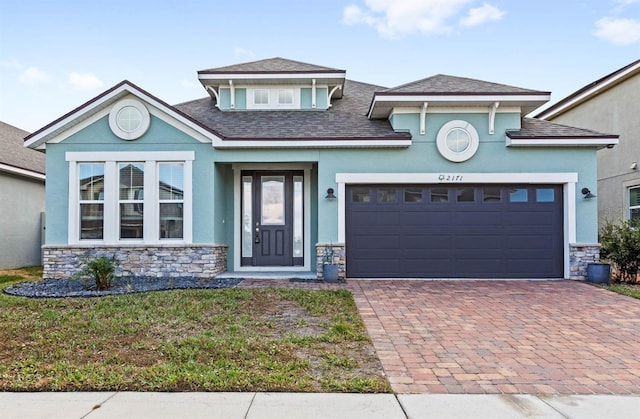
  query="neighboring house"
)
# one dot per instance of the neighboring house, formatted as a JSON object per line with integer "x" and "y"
{"x": 21, "y": 200}
{"x": 443, "y": 177}
{"x": 610, "y": 104}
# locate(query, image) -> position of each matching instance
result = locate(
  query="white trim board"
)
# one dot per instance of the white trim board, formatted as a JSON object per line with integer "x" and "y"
{"x": 21, "y": 172}
{"x": 556, "y": 178}
{"x": 298, "y": 144}
{"x": 90, "y": 112}
{"x": 562, "y": 106}
{"x": 237, "y": 205}
{"x": 560, "y": 142}
{"x": 110, "y": 202}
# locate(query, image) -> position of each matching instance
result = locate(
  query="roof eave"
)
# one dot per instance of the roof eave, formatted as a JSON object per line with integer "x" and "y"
{"x": 21, "y": 171}
{"x": 548, "y": 141}
{"x": 38, "y": 139}
{"x": 383, "y": 102}
{"x": 587, "y": 92}
{"x": 403, "y": 141}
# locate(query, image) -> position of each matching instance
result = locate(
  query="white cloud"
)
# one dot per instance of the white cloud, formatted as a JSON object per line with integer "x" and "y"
{"x": 482, "y": 14}
{"x": 623, "y": 3}
{"x": 618, "y": 31}
{"x": 394, "y": 18}
{"x": 34, "y": 75}
{"x": 10, "y": 64}
{"x": 86, "y": 81}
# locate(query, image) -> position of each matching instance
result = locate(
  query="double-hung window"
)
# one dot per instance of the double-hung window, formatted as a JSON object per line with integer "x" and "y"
{"x": 91, "y": 201}
{"x": 131, "y": 200}
{"x": 119, "y": 197}
{"x": 171, "y": 199}
{"x": 634, "y": 203}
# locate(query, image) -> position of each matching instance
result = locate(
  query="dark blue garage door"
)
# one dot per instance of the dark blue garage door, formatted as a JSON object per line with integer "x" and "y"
{"x": 461, "y": 231}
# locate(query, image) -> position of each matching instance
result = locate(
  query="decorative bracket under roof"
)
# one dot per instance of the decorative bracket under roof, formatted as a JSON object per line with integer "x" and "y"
{"x": 215, "y": 94}
{"x": 313, "y": 93}
{"x": 492, "y": 116}
{"x": 338, "y": 87}
{"x": 423, "y": 118}
{"x": 232, "y": 94}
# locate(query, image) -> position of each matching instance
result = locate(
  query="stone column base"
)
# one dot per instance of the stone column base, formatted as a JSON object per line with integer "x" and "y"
{"x": 338, "y": 258}
{"x": 580, "y": 255}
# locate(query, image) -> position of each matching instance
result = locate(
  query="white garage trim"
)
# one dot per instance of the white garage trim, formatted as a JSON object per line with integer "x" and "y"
{"x": 568, "y": 180}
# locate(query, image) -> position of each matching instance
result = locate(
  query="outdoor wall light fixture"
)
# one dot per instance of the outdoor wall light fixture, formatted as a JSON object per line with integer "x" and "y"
{"x": 587, "y": 193}
{"x": 330, "y": 194}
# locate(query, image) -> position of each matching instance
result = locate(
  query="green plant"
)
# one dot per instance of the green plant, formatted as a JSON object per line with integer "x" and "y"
{"x": 101, "y": 269}
{"x": 189, "y": 340}
{"x": 621, "y": 246}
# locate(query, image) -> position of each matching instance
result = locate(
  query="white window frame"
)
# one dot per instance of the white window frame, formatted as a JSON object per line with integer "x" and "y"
{"x": 451, "y": 155}
{"x": 255, "y": 92}
{"x": 151, "y": 204}
{"x": 87, "y": 202}
{"x": 237, "y": 222}
{"x": 140, "y": 130}
{"x": 273, "y": 98}
{"x": 130, "y": 200}
{"x": 286, "y": 91}
{"x": 628, "y": 200}
{"x": 170, "y": 201}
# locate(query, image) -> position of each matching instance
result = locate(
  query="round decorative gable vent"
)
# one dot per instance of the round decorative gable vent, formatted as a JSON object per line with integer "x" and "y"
{"x": 129, "y": 119}
{"x": 457, "y": 141}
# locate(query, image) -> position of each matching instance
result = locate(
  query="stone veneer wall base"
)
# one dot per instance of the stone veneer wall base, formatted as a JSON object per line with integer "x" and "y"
{"x": 155, "y": 261}
{"x": 580, "y": 255}
{"x": 338, "y": 258}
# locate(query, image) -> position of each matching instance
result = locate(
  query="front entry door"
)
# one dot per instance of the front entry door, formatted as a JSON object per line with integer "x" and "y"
{"x": 272, "y": 213}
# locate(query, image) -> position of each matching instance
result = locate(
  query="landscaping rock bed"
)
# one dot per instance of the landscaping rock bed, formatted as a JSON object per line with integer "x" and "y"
{"x": 61, "y": 288}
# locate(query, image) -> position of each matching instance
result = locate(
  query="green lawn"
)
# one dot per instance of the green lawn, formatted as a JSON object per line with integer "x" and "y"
{"x": 630, "y": 290}
{"x": 271, "y": 339}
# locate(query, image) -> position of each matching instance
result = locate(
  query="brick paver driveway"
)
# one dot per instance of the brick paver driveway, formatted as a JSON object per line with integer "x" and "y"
{"x": 552, "y": 337}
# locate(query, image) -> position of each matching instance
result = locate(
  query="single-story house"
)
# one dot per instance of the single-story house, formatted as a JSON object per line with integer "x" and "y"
{"x": 21, "y": 200}
{"x": 443, "y": 177}
{"x": 610, "y": 104}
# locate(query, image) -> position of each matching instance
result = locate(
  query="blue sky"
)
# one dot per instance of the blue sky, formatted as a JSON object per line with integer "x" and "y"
{"x": 56, "y": 55}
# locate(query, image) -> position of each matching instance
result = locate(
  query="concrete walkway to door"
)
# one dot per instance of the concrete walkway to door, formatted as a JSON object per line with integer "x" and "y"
{"x": 510, "y": 337}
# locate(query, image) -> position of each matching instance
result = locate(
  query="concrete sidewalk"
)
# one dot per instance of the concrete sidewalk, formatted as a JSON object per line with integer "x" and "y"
{"x": 311, "y": 405}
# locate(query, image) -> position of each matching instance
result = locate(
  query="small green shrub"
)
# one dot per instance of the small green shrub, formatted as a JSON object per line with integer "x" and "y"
{"x": 101, "y": 269}
{"x": 621, "y": 246}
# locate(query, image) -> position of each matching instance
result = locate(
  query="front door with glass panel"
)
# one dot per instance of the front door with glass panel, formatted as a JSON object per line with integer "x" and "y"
{"x": 272, "y": 218}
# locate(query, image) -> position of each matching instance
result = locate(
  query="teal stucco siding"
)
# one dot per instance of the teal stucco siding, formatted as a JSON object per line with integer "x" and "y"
{"x": 214, "y": 189}
{"x": 97, "y": 137}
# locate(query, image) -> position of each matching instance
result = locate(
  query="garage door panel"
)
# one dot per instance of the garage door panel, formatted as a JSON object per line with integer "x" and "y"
{"x": 486, "y": 219}
{"x": 528, "y": 218}
{"x": 385, "y": 244}
{"x": 477, "y": 243}
{"x": 430, "y": 254}
{"x": 530, "y": 241}
{"x": 423, "y": 244}
{"x": 499, "y": 239}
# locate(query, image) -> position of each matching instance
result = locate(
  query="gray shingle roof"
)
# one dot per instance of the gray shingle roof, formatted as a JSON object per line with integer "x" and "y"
{"x": 537, "y": 128}
{"x": 271, "y": 65}
{"x": 346, "y": 119}
{"x": 13, "y": 152}
{"x": 442, "y": 84}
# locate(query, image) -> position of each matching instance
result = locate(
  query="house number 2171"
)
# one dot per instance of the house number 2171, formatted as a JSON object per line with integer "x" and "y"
{"x": 450, "y": 178}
